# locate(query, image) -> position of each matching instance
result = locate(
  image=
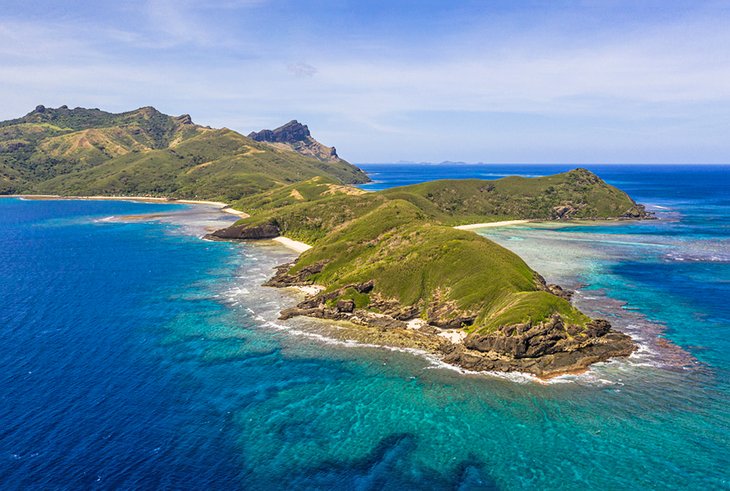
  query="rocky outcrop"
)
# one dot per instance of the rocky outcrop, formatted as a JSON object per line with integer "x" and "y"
{"x": 297, "y": 137}
{"x": 556, "y": 290}
{"x": 284, "y": 277}
{"x": 360, "y": 317}
{"x": 545, "y": 349}
{"x": 531, "y": 341}
{"x": 393, "y": 308}
{"x": 638, "y": 212}
{"x": 241, "y": 232}
{"x": 445, "y": 314}
{"x": 291, "y": 132}
{"x": 565, "y": 211}
{"x": 184, "y": 119}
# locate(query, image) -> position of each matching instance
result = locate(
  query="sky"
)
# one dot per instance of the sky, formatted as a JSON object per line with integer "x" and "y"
{"x": 385, "y": 81}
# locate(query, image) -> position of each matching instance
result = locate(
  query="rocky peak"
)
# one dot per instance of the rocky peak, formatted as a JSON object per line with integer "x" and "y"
{"x": 184, "y": 119}
{"x": 291, "y": 132}
{"x": 296, "y": 136}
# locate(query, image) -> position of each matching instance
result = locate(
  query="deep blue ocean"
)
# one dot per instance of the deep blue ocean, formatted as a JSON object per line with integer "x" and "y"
{"x": 135, "y": 355}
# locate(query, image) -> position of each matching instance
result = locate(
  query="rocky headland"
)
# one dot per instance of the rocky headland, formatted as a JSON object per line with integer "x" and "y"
{"x": 545, "y": 349}
{"x": 400, "y": 266}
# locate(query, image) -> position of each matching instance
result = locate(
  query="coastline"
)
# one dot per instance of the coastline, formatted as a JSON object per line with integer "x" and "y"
{"x": 558, "y": 350}
{"x": 223, "y": 207}
{"x": 432, "y": 343}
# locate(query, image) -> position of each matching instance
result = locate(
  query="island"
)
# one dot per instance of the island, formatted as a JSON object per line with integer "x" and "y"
{"x": 401, "y": 264}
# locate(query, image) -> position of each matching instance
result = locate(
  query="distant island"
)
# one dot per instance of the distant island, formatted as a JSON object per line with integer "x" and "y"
{"x": 391, "y": 262}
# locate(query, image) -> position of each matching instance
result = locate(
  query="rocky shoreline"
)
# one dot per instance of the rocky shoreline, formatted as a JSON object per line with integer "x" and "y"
{"x": 545, "y": 349}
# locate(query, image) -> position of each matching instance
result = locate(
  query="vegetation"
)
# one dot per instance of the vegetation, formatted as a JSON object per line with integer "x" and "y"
{"x": 578, "y": 193}
{"x": 310, "y": 210}
{"x": 144, "y": 152}
{"x": 402, "y": 239}
{"x": 443, "y": 272}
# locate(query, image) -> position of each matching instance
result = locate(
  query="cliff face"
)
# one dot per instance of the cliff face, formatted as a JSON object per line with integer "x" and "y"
{"x": 297, "y": 137}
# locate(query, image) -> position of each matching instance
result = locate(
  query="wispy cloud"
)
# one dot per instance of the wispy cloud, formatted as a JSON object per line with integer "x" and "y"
{"x": 302, "y": 69}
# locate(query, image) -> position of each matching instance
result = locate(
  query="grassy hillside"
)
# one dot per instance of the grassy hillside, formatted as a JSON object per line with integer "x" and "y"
{"x": 88, "y": 151}
{"x": 213, "y": 164}
{"x": 310, "y": 210}
{"x": 403, "y": 241}
{"x": 443, "y": 273}
{"x": 575, "y": 194}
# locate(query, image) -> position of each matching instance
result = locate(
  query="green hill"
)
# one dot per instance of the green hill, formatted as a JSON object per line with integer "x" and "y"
{"x": 144, "y": 152}
{"x": 446, "y": 274}
{"x": 309, "y": 210}
{"x": 393, "y": 256}
{"x": 575, "y": 194}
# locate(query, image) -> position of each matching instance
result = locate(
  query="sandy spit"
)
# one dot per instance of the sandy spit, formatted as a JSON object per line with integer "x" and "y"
{"x": 505, "y": 223}
{"x": 148, "y": 199}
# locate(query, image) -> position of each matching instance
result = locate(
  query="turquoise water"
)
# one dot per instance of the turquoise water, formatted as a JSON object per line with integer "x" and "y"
{"x": 135, "y": 355}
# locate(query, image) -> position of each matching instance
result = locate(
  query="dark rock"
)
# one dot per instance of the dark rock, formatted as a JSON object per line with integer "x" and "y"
{"x": 292, "y": 131}
{"x": 444, "y": 313}
{"x": 559, "y": 291}
{"x": 556, "y": 290}
{"x": 597, "y": 328}
{"x": 184, "y": 119}
{"x": 564, "y": 212}
{"x": 297, "y": 137}
{"x": 265, "y": 231}
{"x": 638, "y": 212}
{"x": 360, "y": 317}
{"x": 453, "y": 323}
{"x": 543, "y": 349}
{"x": 366, "y": 287}
{"x": 393, "y": 308}
{"x": 575, "y": 359}
{"x": 284, "y": 278}
{"x": 345, "y": 306}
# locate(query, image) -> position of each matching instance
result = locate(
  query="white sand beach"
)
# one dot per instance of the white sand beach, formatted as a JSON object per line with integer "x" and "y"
{"x": 505, "y": 223}
{"x": 294, "y": 245}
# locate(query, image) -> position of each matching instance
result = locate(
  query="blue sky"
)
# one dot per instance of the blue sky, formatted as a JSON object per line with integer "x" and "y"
{"x": 483, "y": 81}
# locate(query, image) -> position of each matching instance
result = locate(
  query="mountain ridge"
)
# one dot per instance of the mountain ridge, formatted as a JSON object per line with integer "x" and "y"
{"x": 143, "y": 151}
